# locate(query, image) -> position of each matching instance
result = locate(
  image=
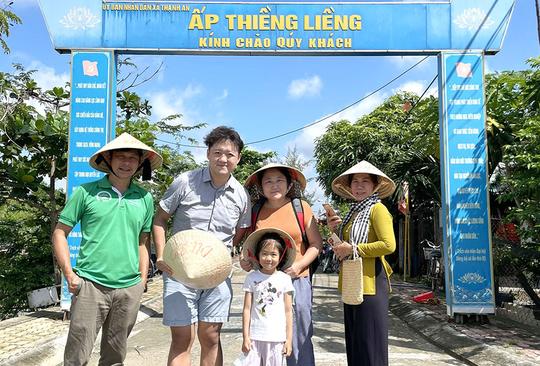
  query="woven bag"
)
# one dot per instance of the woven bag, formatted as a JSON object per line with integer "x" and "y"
{"x": 352, "y": 289}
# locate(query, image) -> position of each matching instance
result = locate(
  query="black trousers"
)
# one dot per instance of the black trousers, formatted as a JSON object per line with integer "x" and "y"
{"x": 366, "y": 326}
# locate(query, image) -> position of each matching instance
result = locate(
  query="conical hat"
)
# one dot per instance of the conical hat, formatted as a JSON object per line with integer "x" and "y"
{"x": 295, "y": 175}
{"x": 198, "y": 258}
{"x": 341, "y": 186}
{"x": 126, "y": 141}
{"x": 248, "y": 248}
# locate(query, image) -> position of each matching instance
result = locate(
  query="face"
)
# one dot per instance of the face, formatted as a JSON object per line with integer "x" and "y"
{"x": 125, "y": 163}
{"x": 269, "y": 258}
{"x": 362, "y": 186}
{"x": 274, "y": 185}
{"x": 223, "y": 157}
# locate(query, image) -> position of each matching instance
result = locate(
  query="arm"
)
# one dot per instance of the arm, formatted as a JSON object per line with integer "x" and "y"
{"x": 239, "y": 236}
{"x": 144, "y": 256}
{"x": 381, "y": 222}
{"x": 159, "y": 228}
{"x": 61, "y": 252}
{"x": 244, "y": 263}
{"x": 287, "y": 347}
{"x": 246, "y": 322}
{"x": 314, "y": 244}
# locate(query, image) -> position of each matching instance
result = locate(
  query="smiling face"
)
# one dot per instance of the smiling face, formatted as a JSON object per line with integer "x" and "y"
{"x": 274, "y": 185}
{"x": 269, "y": 256}
{"x": 362, "y": 186}
{"x": 223, "y": 157}
{"x": 124, "y": 163}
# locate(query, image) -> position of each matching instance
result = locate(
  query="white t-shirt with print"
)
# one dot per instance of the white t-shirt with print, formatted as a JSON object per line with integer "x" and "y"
{"x": 268, "y": 305}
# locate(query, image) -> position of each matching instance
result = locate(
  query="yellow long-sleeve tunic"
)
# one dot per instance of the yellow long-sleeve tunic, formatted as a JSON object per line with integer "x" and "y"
{"x": 381, "y": 242}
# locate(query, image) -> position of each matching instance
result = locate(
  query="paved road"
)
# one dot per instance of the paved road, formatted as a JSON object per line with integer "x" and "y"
{"x": 149, "y": 341}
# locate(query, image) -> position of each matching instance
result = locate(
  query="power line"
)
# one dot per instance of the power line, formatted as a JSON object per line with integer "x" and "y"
{"x": 323, "y": 118}
{"x": 342, "y": 109}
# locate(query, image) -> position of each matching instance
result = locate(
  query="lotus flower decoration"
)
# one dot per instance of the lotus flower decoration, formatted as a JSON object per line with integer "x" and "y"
{"x": 80, "y": 18}
{"x": 472, "y": 19}
{"x": 471, "y": 278}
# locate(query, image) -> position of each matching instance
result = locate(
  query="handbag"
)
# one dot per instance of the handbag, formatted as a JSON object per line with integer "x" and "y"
{"x": 352, "y": 289}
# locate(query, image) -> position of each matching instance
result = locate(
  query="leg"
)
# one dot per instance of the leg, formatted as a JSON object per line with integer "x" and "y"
{"x": 214, "y": 307}
{"x": 348, "y": 320}
{"x": 211, "y": 352}
{"x": 181, "y": 342}
{"x": 366, "y": 326}
{"x": 180, "y": 311}
{"x": 302, "y": 354}
{"x": 119, "y": 323}
{"x": 88, "y": 312}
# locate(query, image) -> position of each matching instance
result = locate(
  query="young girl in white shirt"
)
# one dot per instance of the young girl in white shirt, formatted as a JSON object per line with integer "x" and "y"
{"x": 267, "y": 314}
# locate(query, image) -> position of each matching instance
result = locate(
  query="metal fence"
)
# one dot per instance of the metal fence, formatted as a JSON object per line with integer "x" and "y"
{"x": 517, "y": 287}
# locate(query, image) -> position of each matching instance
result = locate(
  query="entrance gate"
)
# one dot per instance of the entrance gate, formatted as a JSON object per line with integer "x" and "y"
{"x": 459, "y": 32}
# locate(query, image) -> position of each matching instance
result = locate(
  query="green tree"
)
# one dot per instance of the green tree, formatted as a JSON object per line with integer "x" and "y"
{"x": 33, "y": 142}
{"x": 403, "y": 144}
{"x": 294, "y": 159}
{"x": 7, "y": 20}
{"x": 251, "y": 161}
{"x": 514, "y": 106}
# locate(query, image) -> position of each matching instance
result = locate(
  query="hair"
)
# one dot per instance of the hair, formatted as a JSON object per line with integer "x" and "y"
{"x": 224, "y": 133}
{"x": 282, "y": 170}
{"x": 374, "y": 178}
{"x": 127, "y": 149}
{"x": 271, "y": 239}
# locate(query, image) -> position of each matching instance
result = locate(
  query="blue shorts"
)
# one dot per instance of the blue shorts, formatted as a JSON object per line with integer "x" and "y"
{"x": 184, "y": 305}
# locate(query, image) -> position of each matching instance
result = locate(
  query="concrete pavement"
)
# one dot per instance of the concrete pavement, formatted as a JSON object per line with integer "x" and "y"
{"x": 418, "y": 333}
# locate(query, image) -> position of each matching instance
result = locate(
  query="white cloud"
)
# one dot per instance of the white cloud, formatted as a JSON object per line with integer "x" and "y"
{"x": 305, "y": 87}
{"x": 224, "y": 95}
{"x": 173, "y": 101}
{"x": 46, "y": 77}
{"x": 417, "y": 87}
{"x": 306, "y": 140}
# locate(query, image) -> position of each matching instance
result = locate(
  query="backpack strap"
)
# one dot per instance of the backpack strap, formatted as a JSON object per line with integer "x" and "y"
{"x": 299, "y": 214}
{"x": 255, "y": 210}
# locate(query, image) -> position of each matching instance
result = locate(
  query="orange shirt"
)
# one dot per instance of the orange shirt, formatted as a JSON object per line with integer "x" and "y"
{"x": 284, "y": 218}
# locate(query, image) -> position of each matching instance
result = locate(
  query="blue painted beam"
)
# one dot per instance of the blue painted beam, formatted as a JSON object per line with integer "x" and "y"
{"x": 188, "y": 27}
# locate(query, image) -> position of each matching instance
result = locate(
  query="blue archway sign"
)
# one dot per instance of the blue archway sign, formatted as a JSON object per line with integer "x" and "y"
{"x": 460, "y": 32}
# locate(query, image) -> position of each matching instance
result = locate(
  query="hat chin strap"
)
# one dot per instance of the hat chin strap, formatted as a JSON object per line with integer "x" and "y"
{"x": 100, "y": 159}
{"x": 146, "y": 169}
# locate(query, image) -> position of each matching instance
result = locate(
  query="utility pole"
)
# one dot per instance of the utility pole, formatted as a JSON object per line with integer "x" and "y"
{"x": 537, "y": 3}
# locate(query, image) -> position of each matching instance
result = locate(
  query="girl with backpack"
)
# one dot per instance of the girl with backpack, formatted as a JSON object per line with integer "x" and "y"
{"x": 276, "y": 191}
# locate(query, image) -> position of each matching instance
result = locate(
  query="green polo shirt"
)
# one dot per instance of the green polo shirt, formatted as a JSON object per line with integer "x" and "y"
{"x": 110, "y": 226}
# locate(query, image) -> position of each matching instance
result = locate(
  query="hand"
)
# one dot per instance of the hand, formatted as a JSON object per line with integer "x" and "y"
{"x": 294, "y": 270}
{"x": 246, "y": 345}
{"x": 246, "y": 265}
{"x": 333, "y": 222}
{"x": 74, "y": 283}
{"x": 163, "y": 267}
{"x": 287, "y": 348}
{"x": 343, "y": 250}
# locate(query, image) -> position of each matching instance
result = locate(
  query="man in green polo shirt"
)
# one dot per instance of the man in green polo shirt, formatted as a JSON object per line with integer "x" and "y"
{"x": 108, "y": 279}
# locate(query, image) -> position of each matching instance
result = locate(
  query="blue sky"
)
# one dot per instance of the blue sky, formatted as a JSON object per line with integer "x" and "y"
{"x": 263, "y": 96}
